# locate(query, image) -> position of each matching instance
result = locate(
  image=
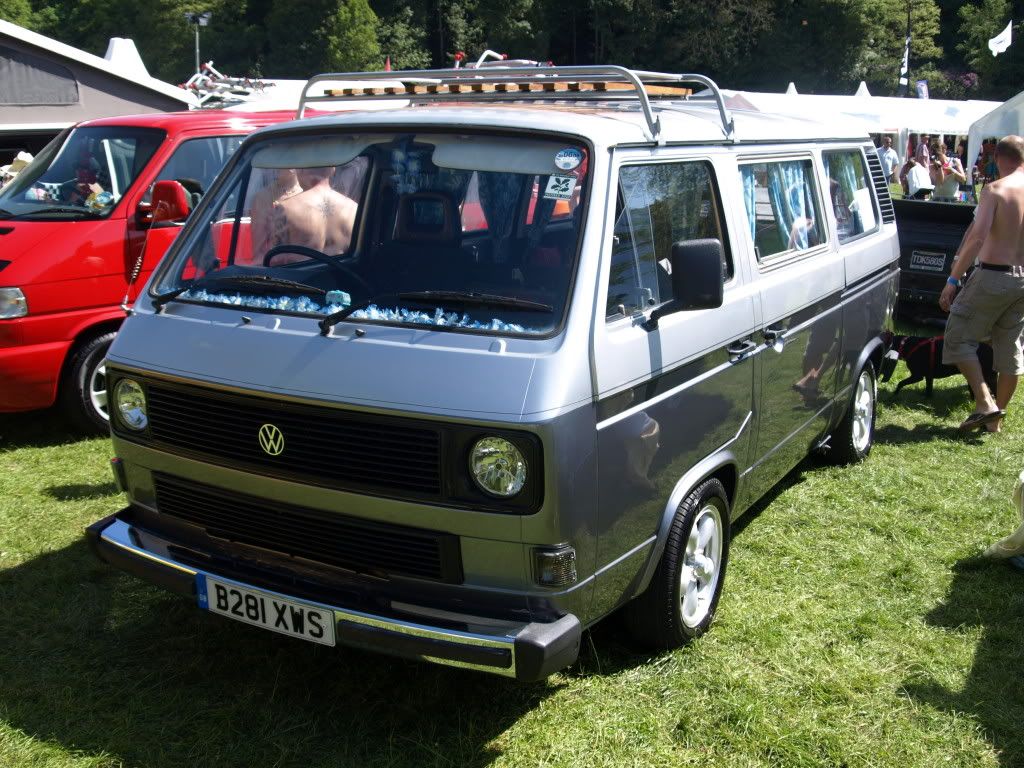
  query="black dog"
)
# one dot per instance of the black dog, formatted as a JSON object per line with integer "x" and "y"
{"x": 923, "y": 357}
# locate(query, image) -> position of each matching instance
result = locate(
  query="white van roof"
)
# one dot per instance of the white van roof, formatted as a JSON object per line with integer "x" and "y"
{"x": 607, "y": 105}
{"x": 609, "y": 125}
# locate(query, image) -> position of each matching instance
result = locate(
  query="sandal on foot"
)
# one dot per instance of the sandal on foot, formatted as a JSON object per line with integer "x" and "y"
{"x": 979, "y": 420}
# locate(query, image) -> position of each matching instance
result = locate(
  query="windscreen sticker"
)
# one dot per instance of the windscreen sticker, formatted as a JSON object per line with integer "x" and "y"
{"x": 560, "y": 187}
{"x": 568, "y": 159}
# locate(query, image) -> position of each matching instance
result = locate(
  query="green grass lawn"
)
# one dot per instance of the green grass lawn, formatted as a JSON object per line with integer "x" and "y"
{"x": 858, "y": 628}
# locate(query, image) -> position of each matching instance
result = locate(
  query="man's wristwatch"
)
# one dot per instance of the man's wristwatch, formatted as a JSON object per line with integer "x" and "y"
{"x": 954, "y": 282}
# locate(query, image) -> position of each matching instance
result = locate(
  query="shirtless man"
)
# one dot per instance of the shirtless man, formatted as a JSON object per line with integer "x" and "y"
{"x": 992, "y": 301}
{"x": 284, "y": 185}
{"x": 319, "y": 217}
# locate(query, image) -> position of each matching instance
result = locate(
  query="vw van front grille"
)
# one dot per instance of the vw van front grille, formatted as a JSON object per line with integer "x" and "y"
{"x": 317, "y": 445}
{"x": 345, "y": 542}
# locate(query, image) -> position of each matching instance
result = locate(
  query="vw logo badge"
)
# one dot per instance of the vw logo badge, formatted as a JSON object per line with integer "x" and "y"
{"x": 271, "y": 440}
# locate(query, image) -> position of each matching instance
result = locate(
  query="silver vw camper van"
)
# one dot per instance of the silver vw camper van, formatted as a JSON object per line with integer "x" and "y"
{"x": 455, "y": 380}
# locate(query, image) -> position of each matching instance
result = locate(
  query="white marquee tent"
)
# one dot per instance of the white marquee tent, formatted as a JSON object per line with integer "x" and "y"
{"x": 1006, "y": 119}
{"x": 878, "y": 114}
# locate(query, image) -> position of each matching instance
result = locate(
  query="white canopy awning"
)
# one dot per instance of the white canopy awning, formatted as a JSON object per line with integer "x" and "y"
{"x": 1004, "y": 120}
{"x": 878, "y": 114}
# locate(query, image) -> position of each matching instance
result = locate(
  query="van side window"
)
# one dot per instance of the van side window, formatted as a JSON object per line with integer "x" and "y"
{"x": 781, "y": 200}
{"x": 850, "y": 193}
{"x": 658, "y": 205}
{"x": 196, "y": 162}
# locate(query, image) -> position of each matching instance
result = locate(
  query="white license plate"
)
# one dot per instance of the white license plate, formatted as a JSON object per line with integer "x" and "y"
{"x": 930, "y": 261}
{"x": 251, "y": 606}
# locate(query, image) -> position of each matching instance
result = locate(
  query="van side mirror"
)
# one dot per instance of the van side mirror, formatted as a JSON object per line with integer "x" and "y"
{"x": 697, "y": 278}
{"x": 170, "y": 202}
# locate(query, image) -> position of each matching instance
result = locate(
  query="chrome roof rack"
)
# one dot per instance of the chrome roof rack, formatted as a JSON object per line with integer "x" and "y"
{"x": 600, "y": 83}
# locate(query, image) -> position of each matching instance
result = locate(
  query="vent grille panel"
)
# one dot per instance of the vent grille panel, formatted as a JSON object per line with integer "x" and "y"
{"x": 881, "y": 188}
{"x": 335, "y": 540}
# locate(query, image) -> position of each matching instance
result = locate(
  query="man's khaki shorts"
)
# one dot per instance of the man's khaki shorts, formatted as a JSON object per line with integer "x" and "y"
{"x": 990, "y": 305}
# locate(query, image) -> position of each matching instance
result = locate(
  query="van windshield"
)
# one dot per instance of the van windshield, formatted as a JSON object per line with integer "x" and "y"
{"x": 82, "y": 174}
{"x": 472, "y": 232}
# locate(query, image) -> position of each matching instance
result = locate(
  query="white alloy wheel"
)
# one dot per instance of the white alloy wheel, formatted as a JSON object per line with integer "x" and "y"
{"x": 680, "y": 602}
{"x": 698, "y": 577}
{"x": 863, "y": 412}
{"x": 98, "y": 391}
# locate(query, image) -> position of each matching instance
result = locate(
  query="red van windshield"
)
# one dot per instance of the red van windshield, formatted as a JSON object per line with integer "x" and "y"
{"x": 83, "y": 175}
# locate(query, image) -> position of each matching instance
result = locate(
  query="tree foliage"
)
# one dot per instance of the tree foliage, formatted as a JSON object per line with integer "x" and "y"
{"x": 17, "y": 12}
{"x": 821, "y": 45}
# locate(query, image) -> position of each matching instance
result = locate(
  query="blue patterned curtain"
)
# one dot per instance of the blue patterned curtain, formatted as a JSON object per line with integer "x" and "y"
{"x": 791, "y": 202}
{"x": 499, "y": 193}
{"x": 843, "y": 181}
{"x": 750, "y": 198}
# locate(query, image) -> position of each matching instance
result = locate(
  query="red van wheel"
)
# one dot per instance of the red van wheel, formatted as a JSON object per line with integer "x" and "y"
{"x": 84, "y": 392}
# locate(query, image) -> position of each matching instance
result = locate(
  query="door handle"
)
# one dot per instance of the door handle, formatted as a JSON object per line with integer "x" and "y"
{"x": 741, "y": 348}
{"x": 773, "y": 332}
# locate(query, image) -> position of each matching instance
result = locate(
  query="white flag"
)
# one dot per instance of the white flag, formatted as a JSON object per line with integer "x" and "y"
{"x": 1002, "y": 41}
{"x": 905, "y": 65}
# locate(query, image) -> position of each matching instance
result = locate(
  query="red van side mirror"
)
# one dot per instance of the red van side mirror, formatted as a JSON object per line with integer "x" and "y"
{"x": 170, "y": 202}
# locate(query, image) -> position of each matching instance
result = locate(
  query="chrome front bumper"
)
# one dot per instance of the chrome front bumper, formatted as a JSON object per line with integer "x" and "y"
{"x": 530, "y": 651}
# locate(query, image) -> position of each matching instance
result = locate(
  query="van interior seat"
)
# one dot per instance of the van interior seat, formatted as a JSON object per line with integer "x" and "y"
{"x": 221, "y": 235}
{"x": 426, "y": 248}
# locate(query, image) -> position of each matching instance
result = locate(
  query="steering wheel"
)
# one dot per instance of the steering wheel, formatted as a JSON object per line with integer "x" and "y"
{"x": 312, "y": 253}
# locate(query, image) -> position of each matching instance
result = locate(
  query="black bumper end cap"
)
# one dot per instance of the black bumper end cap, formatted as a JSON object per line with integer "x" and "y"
{"x": 543, "y": 649}
{"x": 92, "y": 536}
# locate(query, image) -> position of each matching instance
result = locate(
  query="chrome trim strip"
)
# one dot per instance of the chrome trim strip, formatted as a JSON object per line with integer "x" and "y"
{"x": 671, "y": 392}
{"x": 118, "y": 534}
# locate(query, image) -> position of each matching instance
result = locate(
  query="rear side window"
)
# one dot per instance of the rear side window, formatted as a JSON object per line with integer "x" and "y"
{"x": 781, "y": 201}
{"x": 850, "y": 193}
{"x": 658, "y": 205}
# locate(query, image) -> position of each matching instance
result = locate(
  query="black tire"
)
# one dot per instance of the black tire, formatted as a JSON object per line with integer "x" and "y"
{"x": 851, "y": 442}
{"x": 79, "y": 395}
{"x": 659, "y": 618}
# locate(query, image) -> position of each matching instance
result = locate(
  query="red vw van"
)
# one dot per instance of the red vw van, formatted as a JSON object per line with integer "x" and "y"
{"x": 74, "y": 227}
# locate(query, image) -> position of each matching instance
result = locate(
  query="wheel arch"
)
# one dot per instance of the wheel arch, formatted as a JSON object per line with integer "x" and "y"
{"x": 872, "y": 352}
{"x": 83, "y": 336}
{"x": 722, "y": 466}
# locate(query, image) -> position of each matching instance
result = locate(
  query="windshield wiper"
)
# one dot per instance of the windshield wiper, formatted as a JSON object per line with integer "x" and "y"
{"x": 478, "y": 299}
{"x": 5, "y": 213}
{"x": 462, "y": 297}
{"x": 263, "y": 281}
{"x": 336, "y": 317}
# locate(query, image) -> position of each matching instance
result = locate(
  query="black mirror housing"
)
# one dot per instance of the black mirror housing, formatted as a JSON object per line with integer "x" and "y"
{"x": 698, "y": 278}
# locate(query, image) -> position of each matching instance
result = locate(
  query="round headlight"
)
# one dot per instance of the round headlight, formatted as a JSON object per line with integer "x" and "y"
{"x": 130, "y": 404}
{"x": 497, "y": 467}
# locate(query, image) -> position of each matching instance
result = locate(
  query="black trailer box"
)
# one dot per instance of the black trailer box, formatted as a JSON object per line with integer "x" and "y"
{"x": 930, "y": 234}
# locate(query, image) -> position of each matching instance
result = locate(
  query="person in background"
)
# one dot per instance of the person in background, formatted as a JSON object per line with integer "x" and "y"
{"x": 925, "y": 142}
{"x": 947, "y": 174}
{"x": 283, "y": 185}
{"x": 912, "y": 143}
{"x": 888, "y": 157}
{"x": 991, "y": 304}
{"x": 915, "y": 177}
{"x": 319, "y": 217}
{"x": 985, "y": 169}
{"x": 86, "y": 181}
